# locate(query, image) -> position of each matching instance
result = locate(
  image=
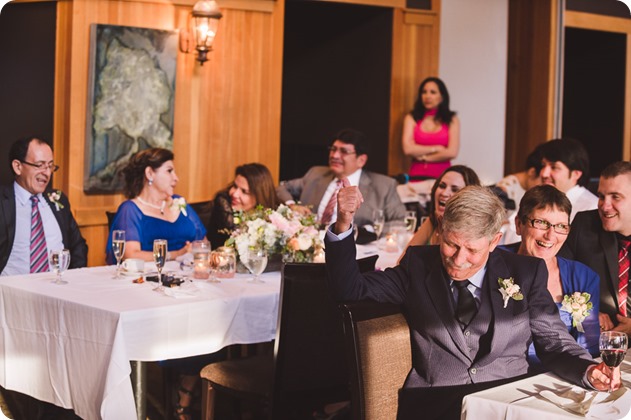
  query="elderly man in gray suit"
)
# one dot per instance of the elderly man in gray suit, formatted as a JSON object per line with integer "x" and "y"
{"x": 472, "y": 309}
{"x": 317, "y": 190}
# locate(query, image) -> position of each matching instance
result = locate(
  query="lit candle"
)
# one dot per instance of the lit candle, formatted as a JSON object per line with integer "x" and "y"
{"x": 391, "y": 243}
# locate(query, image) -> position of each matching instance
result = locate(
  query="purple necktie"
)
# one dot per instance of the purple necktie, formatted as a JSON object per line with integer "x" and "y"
{"x": 39, "y": 253}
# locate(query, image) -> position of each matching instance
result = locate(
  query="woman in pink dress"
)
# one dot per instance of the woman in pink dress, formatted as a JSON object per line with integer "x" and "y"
{"x": 431, "y": 131}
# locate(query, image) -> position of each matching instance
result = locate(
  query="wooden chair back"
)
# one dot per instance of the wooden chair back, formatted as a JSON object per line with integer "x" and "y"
{"x": 379, "y": 357}
{"x": 310, "y": 364}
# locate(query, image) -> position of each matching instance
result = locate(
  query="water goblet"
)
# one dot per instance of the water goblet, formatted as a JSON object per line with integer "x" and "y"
{"x": 378, "y": 220}
{"x": 118, "y": 248}
{"x": 59, "y": 260}
{"x": 256, "y": 263}
{"x": 613, "y": 347}
{"x": 160, "y": 250}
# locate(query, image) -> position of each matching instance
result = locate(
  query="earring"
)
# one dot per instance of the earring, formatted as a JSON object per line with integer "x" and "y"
{"x": 150, "y": 182}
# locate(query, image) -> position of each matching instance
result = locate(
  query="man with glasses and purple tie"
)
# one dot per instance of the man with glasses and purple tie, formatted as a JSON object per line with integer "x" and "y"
{"x": 317, "y": 190}
{"x": 34, "y": 218}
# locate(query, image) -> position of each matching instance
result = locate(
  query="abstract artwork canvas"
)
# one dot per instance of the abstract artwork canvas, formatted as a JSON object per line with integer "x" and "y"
{"x": 130, "y": 102}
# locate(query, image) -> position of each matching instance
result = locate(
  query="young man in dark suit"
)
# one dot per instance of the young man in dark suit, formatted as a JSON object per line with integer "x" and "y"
{"x": 470, "y": 323}
{"x": 600, "y": 239}
{"x": 29, "y": 201}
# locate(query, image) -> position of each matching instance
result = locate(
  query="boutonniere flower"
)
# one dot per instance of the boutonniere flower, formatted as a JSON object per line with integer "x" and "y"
{"x": 579, "y": 306}
{"x": 509, "y": 290}
{"x": 54, "y": 197}
{"x": 180, "y": 204}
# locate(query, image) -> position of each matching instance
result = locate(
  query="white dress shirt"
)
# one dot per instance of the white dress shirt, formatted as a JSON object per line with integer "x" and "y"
{"x": 353, "y": 180}
{"x": 19, "y": 261}
{"x": 582, "y": 199}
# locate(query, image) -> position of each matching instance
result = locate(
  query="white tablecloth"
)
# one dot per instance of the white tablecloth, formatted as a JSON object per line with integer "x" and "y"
{"x": 71, "y": 344}
{"x": 520, "y": 400}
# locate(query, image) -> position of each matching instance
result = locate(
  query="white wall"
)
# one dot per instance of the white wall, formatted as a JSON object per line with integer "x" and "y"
{"x": 473, "y": 61}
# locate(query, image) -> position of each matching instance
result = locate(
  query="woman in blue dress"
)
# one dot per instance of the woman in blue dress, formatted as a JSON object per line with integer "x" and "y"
{"x": 543, "y": 221}
{"x": 152, "y": 210}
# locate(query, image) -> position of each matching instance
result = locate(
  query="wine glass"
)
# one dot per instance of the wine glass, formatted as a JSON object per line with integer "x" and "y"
{"x": 256, "y": 263}
{"x": 378, "y": 220}
{"x": 613, "y": 347}
{"x": 59, "y": 261}
{"x": 159, "y": 256}
{"x": 118, "y": 248}
{"x": 410, "y": 221}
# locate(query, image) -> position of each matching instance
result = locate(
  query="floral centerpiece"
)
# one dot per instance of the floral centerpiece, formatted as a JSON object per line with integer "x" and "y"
{"x": 281, "y": 231}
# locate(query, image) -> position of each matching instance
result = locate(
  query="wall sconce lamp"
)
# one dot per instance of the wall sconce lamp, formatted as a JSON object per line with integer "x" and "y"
{"x": 205, "y": 21}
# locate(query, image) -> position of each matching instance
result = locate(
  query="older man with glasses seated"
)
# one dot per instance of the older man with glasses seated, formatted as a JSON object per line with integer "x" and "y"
{"x": 35, "y": 219}
{"x": 317, "y": 190}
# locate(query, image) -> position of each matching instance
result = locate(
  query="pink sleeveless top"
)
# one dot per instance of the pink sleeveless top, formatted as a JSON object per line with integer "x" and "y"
{"x": 439, "y": 138}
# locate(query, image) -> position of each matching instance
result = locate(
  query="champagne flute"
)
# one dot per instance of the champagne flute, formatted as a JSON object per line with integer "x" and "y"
{"x": 160, "y": 256}
{"x": 378, "y": 220}
{"x": 256, "y": 263}
{"x": 59, "y": 261}
{"x": 410, "y": 221}
{"x": 613, "y": 347}
{"x": 118, "y": 248}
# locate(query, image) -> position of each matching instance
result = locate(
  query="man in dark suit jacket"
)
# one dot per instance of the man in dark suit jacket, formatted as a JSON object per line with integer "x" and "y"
{"x": 347, "y": 158}
{"x": 438, "y": 287}
{"x": 595, "y": 239}
{"x": 32, "y": 162}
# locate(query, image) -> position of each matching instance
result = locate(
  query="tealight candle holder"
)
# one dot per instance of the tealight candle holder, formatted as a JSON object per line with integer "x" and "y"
{"x": 391, "y": 242}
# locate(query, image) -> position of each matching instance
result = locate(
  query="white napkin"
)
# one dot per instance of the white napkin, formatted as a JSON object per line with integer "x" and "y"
{"x": 592, "y": 404}
{"x": 186, "y": 289}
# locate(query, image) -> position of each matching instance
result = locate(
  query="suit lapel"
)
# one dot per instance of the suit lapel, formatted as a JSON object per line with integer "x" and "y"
{"x": 502, "y": 317}
{"x": 438, "y": 289}
{"x": 57, "y": 213}
{"x": 321, "y": 186}
{"x": 610, "y": 248}
{"x": 8, "y": 211}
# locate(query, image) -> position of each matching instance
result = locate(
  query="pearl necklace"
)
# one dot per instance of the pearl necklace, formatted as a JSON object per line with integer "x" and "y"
{"x": 153, "y": 206}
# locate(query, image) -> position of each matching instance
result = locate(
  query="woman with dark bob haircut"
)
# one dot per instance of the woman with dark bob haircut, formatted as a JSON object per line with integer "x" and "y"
{"x": 543, "y": 221}
{"x": 431, "y": 131}
{"x": 152, "y": 211}
{"x": 253, "y": 185}
{"x": 450, "y": 182}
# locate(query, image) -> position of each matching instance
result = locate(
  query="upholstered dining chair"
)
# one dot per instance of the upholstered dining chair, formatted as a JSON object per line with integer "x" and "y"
{"x": 308, "y": 368}
{"x": 110, "y": 219}
{"x": 379, "y": 357}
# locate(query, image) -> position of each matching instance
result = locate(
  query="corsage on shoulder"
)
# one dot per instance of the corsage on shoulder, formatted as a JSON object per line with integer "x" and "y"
{"x": 54, "y": 197}
{"x": 579, "y": 306}
{"x": 180, "y": 204}
{"x": 509, "y": 290}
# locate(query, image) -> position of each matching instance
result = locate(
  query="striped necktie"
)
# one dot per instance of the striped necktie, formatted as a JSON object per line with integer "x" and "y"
{"x": 327, "y": 214}
{"x": 39, "y": 252}
{"x": 623, "y": 275}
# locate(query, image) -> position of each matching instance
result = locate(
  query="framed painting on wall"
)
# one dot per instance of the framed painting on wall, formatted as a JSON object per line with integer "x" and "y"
{"x": 131, "y": 96}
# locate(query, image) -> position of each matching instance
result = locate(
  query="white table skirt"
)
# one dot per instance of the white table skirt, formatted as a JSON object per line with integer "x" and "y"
{"x": 71, "y": 344}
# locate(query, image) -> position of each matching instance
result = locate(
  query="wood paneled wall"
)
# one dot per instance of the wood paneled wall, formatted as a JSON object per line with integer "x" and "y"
{"x": 415, "y": 44}
{"x": 227, "y": 112}
{"x": 530, "y": 86}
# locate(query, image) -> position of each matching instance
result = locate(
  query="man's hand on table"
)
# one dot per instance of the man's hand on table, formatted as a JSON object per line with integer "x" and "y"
{"x": 624, "y": 325}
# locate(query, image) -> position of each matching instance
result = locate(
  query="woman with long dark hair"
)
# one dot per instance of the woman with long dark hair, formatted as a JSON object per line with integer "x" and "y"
{"x": 431, "y": 131}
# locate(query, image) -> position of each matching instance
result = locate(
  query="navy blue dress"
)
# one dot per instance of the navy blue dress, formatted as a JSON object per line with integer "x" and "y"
{"x": 144, "y": 229}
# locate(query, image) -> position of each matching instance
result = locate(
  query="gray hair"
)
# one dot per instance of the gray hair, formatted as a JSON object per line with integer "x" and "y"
{"x": 475, "y": 211}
